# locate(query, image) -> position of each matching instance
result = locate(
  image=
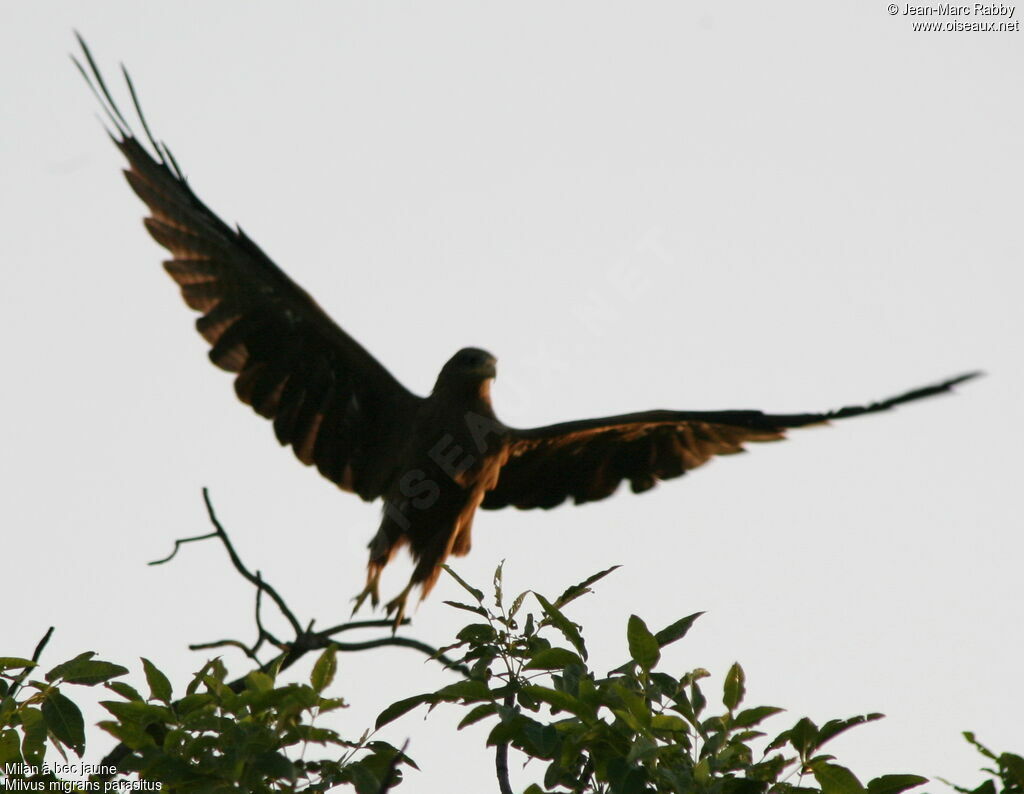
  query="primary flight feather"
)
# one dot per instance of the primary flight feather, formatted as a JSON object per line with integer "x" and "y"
{"x": 432, "y": 460}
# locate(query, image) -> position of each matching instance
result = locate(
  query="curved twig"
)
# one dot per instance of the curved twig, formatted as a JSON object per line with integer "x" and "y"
{"x": 290, "y": 652}
{"x": 263, "y": 633}
{"x": 245, "y": 572}
{"x": 404, "y": 642}
{"x": 386, "y": 623}
{"x": 179, "y": 543}
{"x": 202, "y": 646}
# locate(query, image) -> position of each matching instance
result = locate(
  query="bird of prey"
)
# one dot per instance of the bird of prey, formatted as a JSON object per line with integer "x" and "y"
{"x": 432, "y": 460}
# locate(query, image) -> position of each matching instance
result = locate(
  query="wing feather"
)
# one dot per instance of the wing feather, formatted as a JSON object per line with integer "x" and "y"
{"x": 587, "y": 460}
{"x": 325, "y": 394}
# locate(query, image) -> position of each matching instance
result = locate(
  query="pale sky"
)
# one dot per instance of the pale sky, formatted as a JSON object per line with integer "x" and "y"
{"x": 787, "y": 206}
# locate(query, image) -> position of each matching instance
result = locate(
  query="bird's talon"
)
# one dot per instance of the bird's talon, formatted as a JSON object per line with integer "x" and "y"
{"x": 397, "y": 605}
{"x": 370, "y": 591}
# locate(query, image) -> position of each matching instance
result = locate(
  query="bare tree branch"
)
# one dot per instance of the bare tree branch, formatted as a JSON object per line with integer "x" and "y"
{"x": 181, "y": 542}
{"x": 246, "y": 573}
{"x": 501, "y": 752}
{"x": 292, "y": 650}
{"x": 202, "y": 646}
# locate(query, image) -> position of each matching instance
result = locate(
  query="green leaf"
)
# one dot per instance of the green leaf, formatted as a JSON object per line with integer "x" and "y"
{"x": 582, "y": 588}
{"x": 478, "y": 713}
{"x": 159, "y": 685}
{"x": 779, "y": 741}
{"x": 683, "y": 706}
{"x": 200, "y": 677}
{"x": 735, "y": 688}
{"x": 668, "y": 722}
{"x": 697, "y": 699}
{"x": 563, "y": 624}
{"x": 666, "y": 684}
{"x": 833, "y": 728}
{"x": 33, "y": 746}
{"x": 274, "y": 765}
{"x": 553, "y": 659}
{"x": 65, "y": 721}
{"x": 894, "y": 784}
{"x": 7, "y": 708}
{"x": 621, "y": 697}
{"x": 468, "y": 690}
{"x": 677, "y": 630}
{"x": 384, "y": 754}
{"x": 364, "y": 781}
{"x": 400, "y": 707}
{"x": 331, "y": 704}
{"x": 127, "y": 691}
{"x": 258, "y": 681}
{"x": 142, "y": 714}
{"x": 324, "y": 670}
{"x": 11, "y": 662}
{"x": 478, "y": 595}
{"x": 58, "y": 671}
{"x": 476, "y": 610}
{"x": 558, "y": 700}
{"x": 85, "y": 670}
{"x": 309, "y": 733}
{"x": 643, "y": 647}
{"x": 10, "y": 747}
{"x": 969, "y": 736}
{"x": 835, "y": 779}
{"x": 477, "y": 633}
{"x": 497, "y": 583}
{"x": 804, "y": 737}
{"x": 193, "y": 702}
{"x": 770, "y": 769}
{"x": 133, "y": 736}
{"x": 517, "y": 603}
{"x": 750, "y": 717}
{"x": 530, "y": 736}
{"x": 1014, "y": 766}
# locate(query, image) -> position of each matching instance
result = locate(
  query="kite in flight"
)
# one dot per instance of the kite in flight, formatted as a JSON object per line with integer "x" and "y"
{"x": 432, "y": 460}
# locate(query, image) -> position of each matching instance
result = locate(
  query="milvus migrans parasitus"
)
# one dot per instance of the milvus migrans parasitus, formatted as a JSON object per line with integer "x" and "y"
{"x": 433, "y": 460}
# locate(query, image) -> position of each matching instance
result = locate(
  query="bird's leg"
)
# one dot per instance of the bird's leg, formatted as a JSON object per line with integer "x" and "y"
{"x": 397, "y": 605}
{"x": 372, "y": 588}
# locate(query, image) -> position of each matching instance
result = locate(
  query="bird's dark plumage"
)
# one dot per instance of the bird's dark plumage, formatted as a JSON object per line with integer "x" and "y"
{"x": 586, "y": 460}
{"x": 433, "y": 460}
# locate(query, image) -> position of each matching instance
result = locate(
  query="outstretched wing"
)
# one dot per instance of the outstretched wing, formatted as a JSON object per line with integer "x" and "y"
{"x": 328, "y": 397}
{"x": 586, "y": 460}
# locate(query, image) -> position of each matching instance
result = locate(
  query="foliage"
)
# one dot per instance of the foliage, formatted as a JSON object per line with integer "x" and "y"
{"x": 1006, "y": 772}
{"x": 217, "y": 737}
{"x": 636, "y": 729}
{"x": 525, "y": 670}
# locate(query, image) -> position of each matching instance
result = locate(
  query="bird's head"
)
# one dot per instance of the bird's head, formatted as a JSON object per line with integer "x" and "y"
{"x": 471, "y": 366}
